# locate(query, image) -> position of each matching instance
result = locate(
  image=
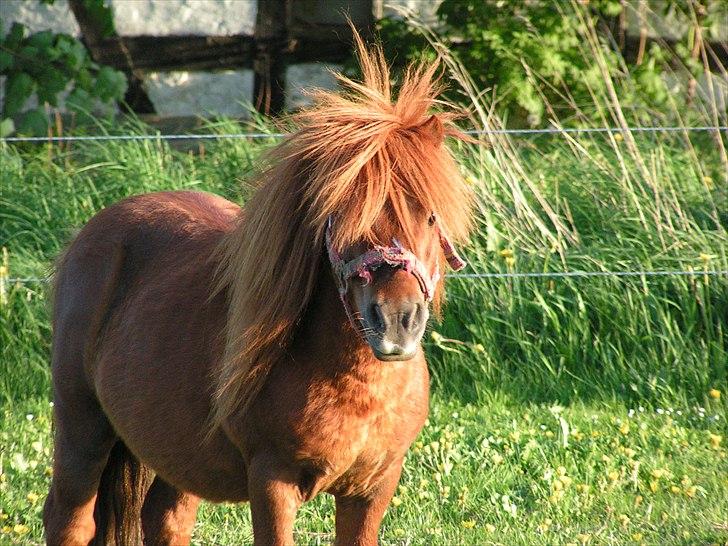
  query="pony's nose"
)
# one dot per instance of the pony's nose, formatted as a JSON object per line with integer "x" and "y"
{"x": 398, "y": 327}
{"x": 402, "y": 318}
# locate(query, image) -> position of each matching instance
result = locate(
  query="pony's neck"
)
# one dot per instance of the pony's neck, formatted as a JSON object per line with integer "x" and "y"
{"x": 327, "y": 330}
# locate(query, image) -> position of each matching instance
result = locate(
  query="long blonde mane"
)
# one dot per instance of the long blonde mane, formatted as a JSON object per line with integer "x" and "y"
{"x": 358, "y": 153}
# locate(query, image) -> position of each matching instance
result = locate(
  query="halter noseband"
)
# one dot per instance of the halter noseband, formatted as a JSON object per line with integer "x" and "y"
{"x": 396, "y": 256}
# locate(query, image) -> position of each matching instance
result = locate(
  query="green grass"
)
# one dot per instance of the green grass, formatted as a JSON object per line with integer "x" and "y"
{"x": 531, "y": 439}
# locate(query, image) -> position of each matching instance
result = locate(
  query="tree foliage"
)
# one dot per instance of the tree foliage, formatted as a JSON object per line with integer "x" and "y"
{"x": 534, "y": 54}
{"x": 49, "y": 64}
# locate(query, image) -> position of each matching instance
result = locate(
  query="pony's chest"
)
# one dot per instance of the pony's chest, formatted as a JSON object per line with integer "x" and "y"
{"x": 352, "y": 431}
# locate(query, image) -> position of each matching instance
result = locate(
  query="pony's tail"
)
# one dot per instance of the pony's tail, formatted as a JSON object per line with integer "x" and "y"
{"x": 123, "y": 486}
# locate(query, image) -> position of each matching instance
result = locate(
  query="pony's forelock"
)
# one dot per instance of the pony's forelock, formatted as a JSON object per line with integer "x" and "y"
{"x": 358, "y": 152}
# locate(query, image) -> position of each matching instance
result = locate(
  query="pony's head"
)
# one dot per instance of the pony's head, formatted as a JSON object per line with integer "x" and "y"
{"x": 372, "y": 172}
{"x": 390, "y": 286}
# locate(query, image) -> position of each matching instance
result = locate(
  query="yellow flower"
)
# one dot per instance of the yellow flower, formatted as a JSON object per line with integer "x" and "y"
{"x": 6, "y": 529}
{"x": 624, "y": 428}
{"x": 618, "y": 137}
{"x": 490, "y": 528}
{"x": 638, "y": 500}
{"x": 715, "y": 440}
{"x": 32, "y": 497}
{"x": 654, "y": 486}
{"x": 624, "y": 519}
{"x": 637, "y": 537}
{"x": 399, "y": 532}
{"x": 20, "y": 529}
{"x": 506, "y": 253}
{"x": 583, "y": 538}
{"x": 396, "y": 501}
{"x": 691, "y": 490}
{"x": 675, "y": 489}
{"x": 510, "y": 261}
{"x": 468, "y": 523}
{"x": 613, "y": 476}
{"x": 714, "y": 393}
{"x": 658, "y": 473}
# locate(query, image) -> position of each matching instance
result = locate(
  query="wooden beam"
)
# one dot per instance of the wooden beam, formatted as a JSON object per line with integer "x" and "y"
{"x": 135, "y": 98}
{"x": 271, "y": 37}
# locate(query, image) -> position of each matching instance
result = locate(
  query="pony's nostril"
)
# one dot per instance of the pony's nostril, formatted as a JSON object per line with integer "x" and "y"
{"x": 411, "y": 318}
{"x": 377, "y": 318}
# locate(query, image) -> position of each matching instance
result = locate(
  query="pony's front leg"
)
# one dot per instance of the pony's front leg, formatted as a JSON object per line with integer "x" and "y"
{"x": 274, "y": 500}
{"x": 358, "y": 518}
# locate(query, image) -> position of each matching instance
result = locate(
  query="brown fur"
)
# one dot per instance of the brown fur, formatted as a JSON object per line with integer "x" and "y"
{"x": 147, "y": 353}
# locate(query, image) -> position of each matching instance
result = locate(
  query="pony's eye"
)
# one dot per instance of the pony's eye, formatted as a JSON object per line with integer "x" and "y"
{"x": 431, "y": 220}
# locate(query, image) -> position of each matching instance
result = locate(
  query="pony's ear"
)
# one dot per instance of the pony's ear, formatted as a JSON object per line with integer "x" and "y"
{"x": 432, "y": 129}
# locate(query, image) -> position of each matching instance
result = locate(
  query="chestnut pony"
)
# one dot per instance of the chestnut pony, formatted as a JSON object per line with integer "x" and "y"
{"x": 201, "y": 351}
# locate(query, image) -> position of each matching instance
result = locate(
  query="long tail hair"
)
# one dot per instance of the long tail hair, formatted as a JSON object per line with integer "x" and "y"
{"x": 124, "y": 484}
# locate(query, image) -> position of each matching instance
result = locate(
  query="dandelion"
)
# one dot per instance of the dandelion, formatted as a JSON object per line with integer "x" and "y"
{"x": 32, "y": 497}
{"x": 715, "y": 440}
{"x": 506, "y": 253}
{"x": 637, "y": 537}
{"x": 396, "y": 501}
{"x": 624, "y": 428}
{"x": 6, "y": 529}
{"x": 490, "y": 527}
{"x": 584, "y": 538}
{"x": 638, "y": 500}
{"x": 675, "y": 489}
{"x": 20, "y": 529}
{"x": 399, "y": 532}
{"x": 468, "y": 523}
{"x": 691, "y": 490}
{"x": 714, "y": 394}
{"x": 658, "y": 473}
{"x": 510, "y": 262}
{"x": 624, "y": 519}
{"x": 613, "y": 476}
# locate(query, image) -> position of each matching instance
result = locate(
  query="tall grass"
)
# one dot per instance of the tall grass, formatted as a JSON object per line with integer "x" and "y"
{"x": 620, "y": 201}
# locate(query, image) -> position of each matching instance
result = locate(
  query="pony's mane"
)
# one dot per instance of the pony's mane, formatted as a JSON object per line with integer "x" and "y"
{"x": 358, "y": 154}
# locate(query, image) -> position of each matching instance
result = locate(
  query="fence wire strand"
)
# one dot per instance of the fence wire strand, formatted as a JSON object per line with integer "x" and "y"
{"x": 260, "y": 135}
{"x": 509, "y": 275}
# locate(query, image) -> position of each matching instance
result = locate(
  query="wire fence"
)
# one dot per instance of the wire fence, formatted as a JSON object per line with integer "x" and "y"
{"x": 263, "y": 135}
{"x": 509, "y": 275}
{"x": 473, "y": 132}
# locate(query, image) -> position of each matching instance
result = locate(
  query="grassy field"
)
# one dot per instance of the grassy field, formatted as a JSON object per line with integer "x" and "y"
{"x": 565, "y": 411}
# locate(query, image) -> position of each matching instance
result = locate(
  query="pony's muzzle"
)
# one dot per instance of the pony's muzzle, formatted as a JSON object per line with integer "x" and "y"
{"x": 395, "y": 328}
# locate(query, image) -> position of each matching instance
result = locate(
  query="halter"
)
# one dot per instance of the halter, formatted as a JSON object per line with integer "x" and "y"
{"x": 396, "y": 256}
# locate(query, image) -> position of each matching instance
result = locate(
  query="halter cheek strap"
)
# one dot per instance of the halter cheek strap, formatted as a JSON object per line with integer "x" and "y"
{"x": 396, "y": 256}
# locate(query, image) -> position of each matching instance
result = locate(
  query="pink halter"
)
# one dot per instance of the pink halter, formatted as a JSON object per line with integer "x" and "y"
{"x": 397, "y": 256}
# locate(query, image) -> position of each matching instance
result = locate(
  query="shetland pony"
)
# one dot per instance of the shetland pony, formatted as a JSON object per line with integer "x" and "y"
{"x": 267, "y": 354}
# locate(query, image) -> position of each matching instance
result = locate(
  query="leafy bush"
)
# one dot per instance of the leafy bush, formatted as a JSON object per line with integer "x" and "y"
{"x": 48, "y": 64}
{"x": 536, "y": 56}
